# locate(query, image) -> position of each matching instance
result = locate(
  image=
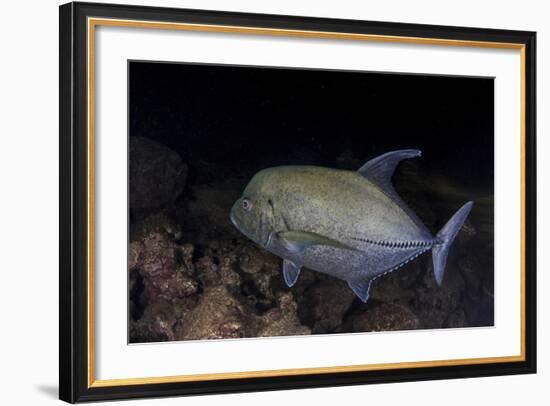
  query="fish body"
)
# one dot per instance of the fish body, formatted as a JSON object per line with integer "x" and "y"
{"x": 348, "y": 224}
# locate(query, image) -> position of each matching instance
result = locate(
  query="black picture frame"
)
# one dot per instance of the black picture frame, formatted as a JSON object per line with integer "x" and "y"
{"x": 74, "y": 383}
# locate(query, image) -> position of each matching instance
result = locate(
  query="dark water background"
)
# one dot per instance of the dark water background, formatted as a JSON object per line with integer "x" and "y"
{"x": 259, "y": 117}
{"x": 228, "y": 122}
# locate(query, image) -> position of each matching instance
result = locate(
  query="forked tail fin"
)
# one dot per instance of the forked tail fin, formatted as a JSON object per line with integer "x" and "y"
{"x": 446, "y": 237}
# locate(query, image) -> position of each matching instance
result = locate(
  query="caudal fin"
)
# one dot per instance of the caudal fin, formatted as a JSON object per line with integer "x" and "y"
{"x": 446, "y": 237}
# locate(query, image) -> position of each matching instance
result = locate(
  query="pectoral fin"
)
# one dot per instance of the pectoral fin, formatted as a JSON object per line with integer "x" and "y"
{"x": 361, "y": 288}
{"x": 291, "y": 271}
{"x": 297, "y": 241}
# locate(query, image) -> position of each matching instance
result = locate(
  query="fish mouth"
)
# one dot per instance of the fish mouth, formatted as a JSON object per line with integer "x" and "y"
{"x": 262, "y": 244}
{"x": 236, "y": 224}
{"x": 233, "y": 221}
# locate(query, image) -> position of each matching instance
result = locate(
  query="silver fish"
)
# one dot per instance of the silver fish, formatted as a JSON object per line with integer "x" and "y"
{"x": 348, "y": 224}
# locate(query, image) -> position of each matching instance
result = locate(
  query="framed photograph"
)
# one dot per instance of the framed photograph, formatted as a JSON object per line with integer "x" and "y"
{"x": 257, "y": 202}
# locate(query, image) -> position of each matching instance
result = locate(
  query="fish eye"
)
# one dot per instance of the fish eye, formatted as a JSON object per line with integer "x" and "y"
{"x": 247, "y": 204}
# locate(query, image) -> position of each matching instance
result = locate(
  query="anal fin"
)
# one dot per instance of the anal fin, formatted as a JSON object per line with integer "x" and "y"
{"x": 361, "y": 288}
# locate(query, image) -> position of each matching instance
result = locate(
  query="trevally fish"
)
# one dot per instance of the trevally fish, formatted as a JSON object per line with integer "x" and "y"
{"x": 348, "y": 224}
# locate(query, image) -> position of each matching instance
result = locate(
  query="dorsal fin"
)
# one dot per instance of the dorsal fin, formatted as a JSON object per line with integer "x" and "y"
{"x": 380, "y": 170}
{"x": 382, "y": 167}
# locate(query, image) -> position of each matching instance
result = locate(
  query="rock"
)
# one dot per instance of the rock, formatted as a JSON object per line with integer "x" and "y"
{"x": 157, "y": 176}
{"x": 251, "y": 260}
{"x": 330, "y": 300}
{"x": 157, "y": 323}
{"x": 260, "y": 271}
{"x": 196, "y": 277}
{"x": 207, "y": 271}
{"x": 157, "y": 259}
{"x": 135, "y": 251}
{"x": 228, "y": 276}
{"x": 219, "y": 314}
{"x": 398, "y": 286}
{"x": 162, "y": 282}
{"x": 470, "y": 269}
{"x": 306, "y": 280}
{"x": 206, "y": 214}
{"x": 159, "y": 223}
{"x": 385, "y": 317}
{"x": 456, "y": 319}
{"x": 187, "y": 251}
{"x": 432, "y": 303}
{"x": 282, "y": 320}
{"x": 467, "y": 231}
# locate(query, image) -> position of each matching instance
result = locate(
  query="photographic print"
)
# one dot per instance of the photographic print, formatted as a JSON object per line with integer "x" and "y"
{"x": 270, "y": 201}
{"x": 250, "y": 202}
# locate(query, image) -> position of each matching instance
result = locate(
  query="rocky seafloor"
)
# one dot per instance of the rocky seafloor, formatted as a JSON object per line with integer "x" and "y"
{"x": 193, "y": 276}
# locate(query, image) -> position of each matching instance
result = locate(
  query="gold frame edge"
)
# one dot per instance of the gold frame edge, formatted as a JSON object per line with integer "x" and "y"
{"x": 91, "y": 25}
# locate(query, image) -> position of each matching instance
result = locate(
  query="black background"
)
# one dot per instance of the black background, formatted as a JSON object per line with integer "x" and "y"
{"x": 249, "y": 118}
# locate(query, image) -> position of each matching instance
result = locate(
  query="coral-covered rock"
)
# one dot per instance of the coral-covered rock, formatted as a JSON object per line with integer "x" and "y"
{"x": 456, "y": 319}
{"x": 193, "y": 276}
{"x": 219, "y": 314}
{"x": 470, "y": 269}
{"x": 206, "y": 215}
{"x": 251, "y": 260}
{"x": 432, "y": 303}
{"x": 157, "y": 175}
{"x": 261, "y": 271}
{"x": 162, "y": 283}
{"x": 187, "y": 251}
{"x": 228, "y": 276}
{"x": 157, "y": 323}
{"x": 134, "y": 253}
{"x": 158, "y": 260}
{"x": 207, "y": 271}
{"x": 467, "y": 232}
{"x": 385, "y": 317}
{"x": 330, "y": 300}
{"x": 399, "y": 286}
{"x": 282, "y": 320}
{"x": 155, "y": 223}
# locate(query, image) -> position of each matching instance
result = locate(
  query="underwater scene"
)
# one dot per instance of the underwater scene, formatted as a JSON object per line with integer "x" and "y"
{"x": 276, "y": 202}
